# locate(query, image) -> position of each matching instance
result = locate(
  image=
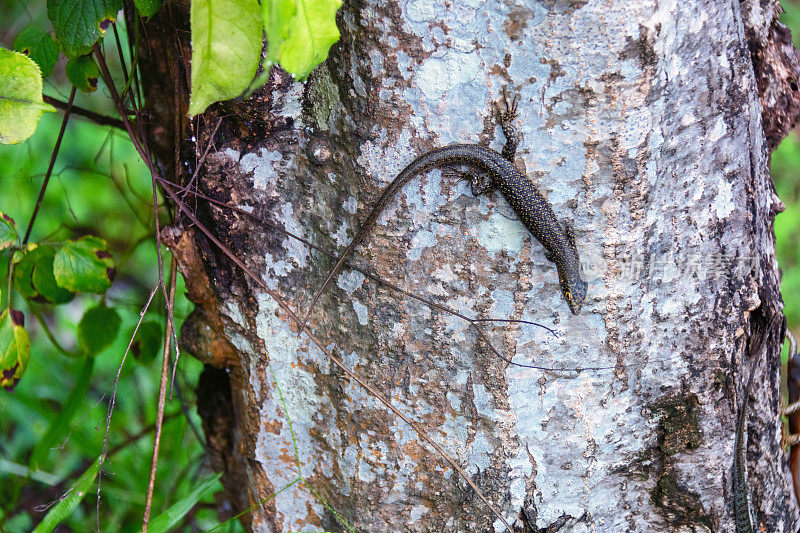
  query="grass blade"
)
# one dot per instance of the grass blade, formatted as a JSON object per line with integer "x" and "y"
{"x": 70, "y": 501}
{"x": 166, "y": 520}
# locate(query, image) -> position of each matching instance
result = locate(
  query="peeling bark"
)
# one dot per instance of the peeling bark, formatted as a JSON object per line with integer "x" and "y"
{"x": 777, "y": 68}
{"x": 642, "y": 124}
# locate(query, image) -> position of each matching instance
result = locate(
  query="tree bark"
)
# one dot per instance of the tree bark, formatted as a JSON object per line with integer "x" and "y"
{"x": 642, "y": 125}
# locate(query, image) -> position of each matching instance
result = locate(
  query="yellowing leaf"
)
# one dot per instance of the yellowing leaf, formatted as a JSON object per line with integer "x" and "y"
{"x": 42, "y": 278}
{"x": 83, "y": 72}
{"x": 15, "y": 348}
{"x": 84, "y": 265}
{"x": 311, "y": 34}
{"x": 278, "y": 16}
{"x": 226, "y": 48}
{"x": 21, "y": 103}
{"x": 8, "y": 231}
{"x": 40, "y": 46}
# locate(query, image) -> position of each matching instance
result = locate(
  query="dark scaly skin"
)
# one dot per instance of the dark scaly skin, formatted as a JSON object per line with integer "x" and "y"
{"x": 487, "y": 168}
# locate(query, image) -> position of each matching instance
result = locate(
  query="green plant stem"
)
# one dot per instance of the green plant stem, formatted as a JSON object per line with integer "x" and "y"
{"x": 97, "y": 118}
{"x": 50, "y": 336}
{"x": 49, "y": 172}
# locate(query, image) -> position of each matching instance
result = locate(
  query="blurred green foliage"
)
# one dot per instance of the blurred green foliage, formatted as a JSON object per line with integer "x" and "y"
{"x": 785, "y": 170}
{"x": 84, "y": 198}
{"x": 54, "y": 423}
{"x": 100, "y": 187}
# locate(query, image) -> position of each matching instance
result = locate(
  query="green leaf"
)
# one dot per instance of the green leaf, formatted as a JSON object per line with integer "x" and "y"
{"x": 40, "y": 46}
{"x": 42, "y": 277}
{"x": 67, "y": 505}
{"x": 23, "y": 273}
{"x": 147, "y": 8}
{"x": 147, "y": 344}
{"x": 278, "y": 15}
{"x": 83, "y": 72}
{"x": 312, "y": 32}
{"x": 98, "y": 328}
{"x": 81, "y": 23}
{"x": 15, "y": 348}
{"x": 169, "y": 518}
{"x": 19, "y": 254}
{"x": 8, "y": 231}
{"x": 60, "y": 425}
{"x": 226, "y": 48}
{"x": 84, "y": 265}
{"x": 21, "y": 103}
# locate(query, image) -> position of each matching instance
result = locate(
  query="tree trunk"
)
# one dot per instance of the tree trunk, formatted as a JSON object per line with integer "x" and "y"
{"x": 642, "y": 126}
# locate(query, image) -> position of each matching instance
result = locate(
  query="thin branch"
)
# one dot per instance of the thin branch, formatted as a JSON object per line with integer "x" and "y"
{"x": 144, "y": 153}
{"x": 49, "y": 172}
{"x": 368, "y": 274}
{"x": 162, "y": 398}
{"x": 97, "y": 118}
{"x": 338, "y": 362}
{"x": 202, "y": 160}
{"x": 138, "y": 435}
{"x": 124, "y": 66}
{"x": 113, "y": 401}
{"x": 473, "y": 322}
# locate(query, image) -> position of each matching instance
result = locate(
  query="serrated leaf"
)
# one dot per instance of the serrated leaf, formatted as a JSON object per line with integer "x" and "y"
{"x": 15, "y": 348}
{"x": 67, "y": 505}
{"x": 83, "y": 72}
{"x": 44, "y": 281}
{"x": 226, "y": 48}
{"x": 84, "y": 265}
{"x": 8, "y": 231}
{"x": 80, "y": 23}
{"x": 40, "y": 46}
{"x": 21, "y": 104}
{"x": 312, "y": 33}
{"x": 147, "y": 344}
{"x": 97, "y": 329}
{"x": 170, "y": 518}
{"x": 147, "y": 8}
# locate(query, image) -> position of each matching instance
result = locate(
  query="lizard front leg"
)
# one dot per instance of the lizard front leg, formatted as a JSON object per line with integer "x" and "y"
{"x": 505, "y": 118}
{"x": 481, "y": 182}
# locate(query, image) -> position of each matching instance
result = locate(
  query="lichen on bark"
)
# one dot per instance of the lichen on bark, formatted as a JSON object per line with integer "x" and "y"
{"x": 642, "y": 125}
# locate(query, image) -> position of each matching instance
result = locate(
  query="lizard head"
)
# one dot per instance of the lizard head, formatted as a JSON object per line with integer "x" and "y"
{"x": 574, "y": 290}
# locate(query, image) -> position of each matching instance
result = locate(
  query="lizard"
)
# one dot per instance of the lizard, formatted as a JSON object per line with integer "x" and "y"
{"x": 743, "y": 513}
{"x": 489, "y": 169}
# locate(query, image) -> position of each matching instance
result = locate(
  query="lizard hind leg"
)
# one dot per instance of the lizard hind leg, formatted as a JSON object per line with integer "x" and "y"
{"x": 569, "y": 233}
{"x": 505, "y": 118}
{"x": 480, "y": 182}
